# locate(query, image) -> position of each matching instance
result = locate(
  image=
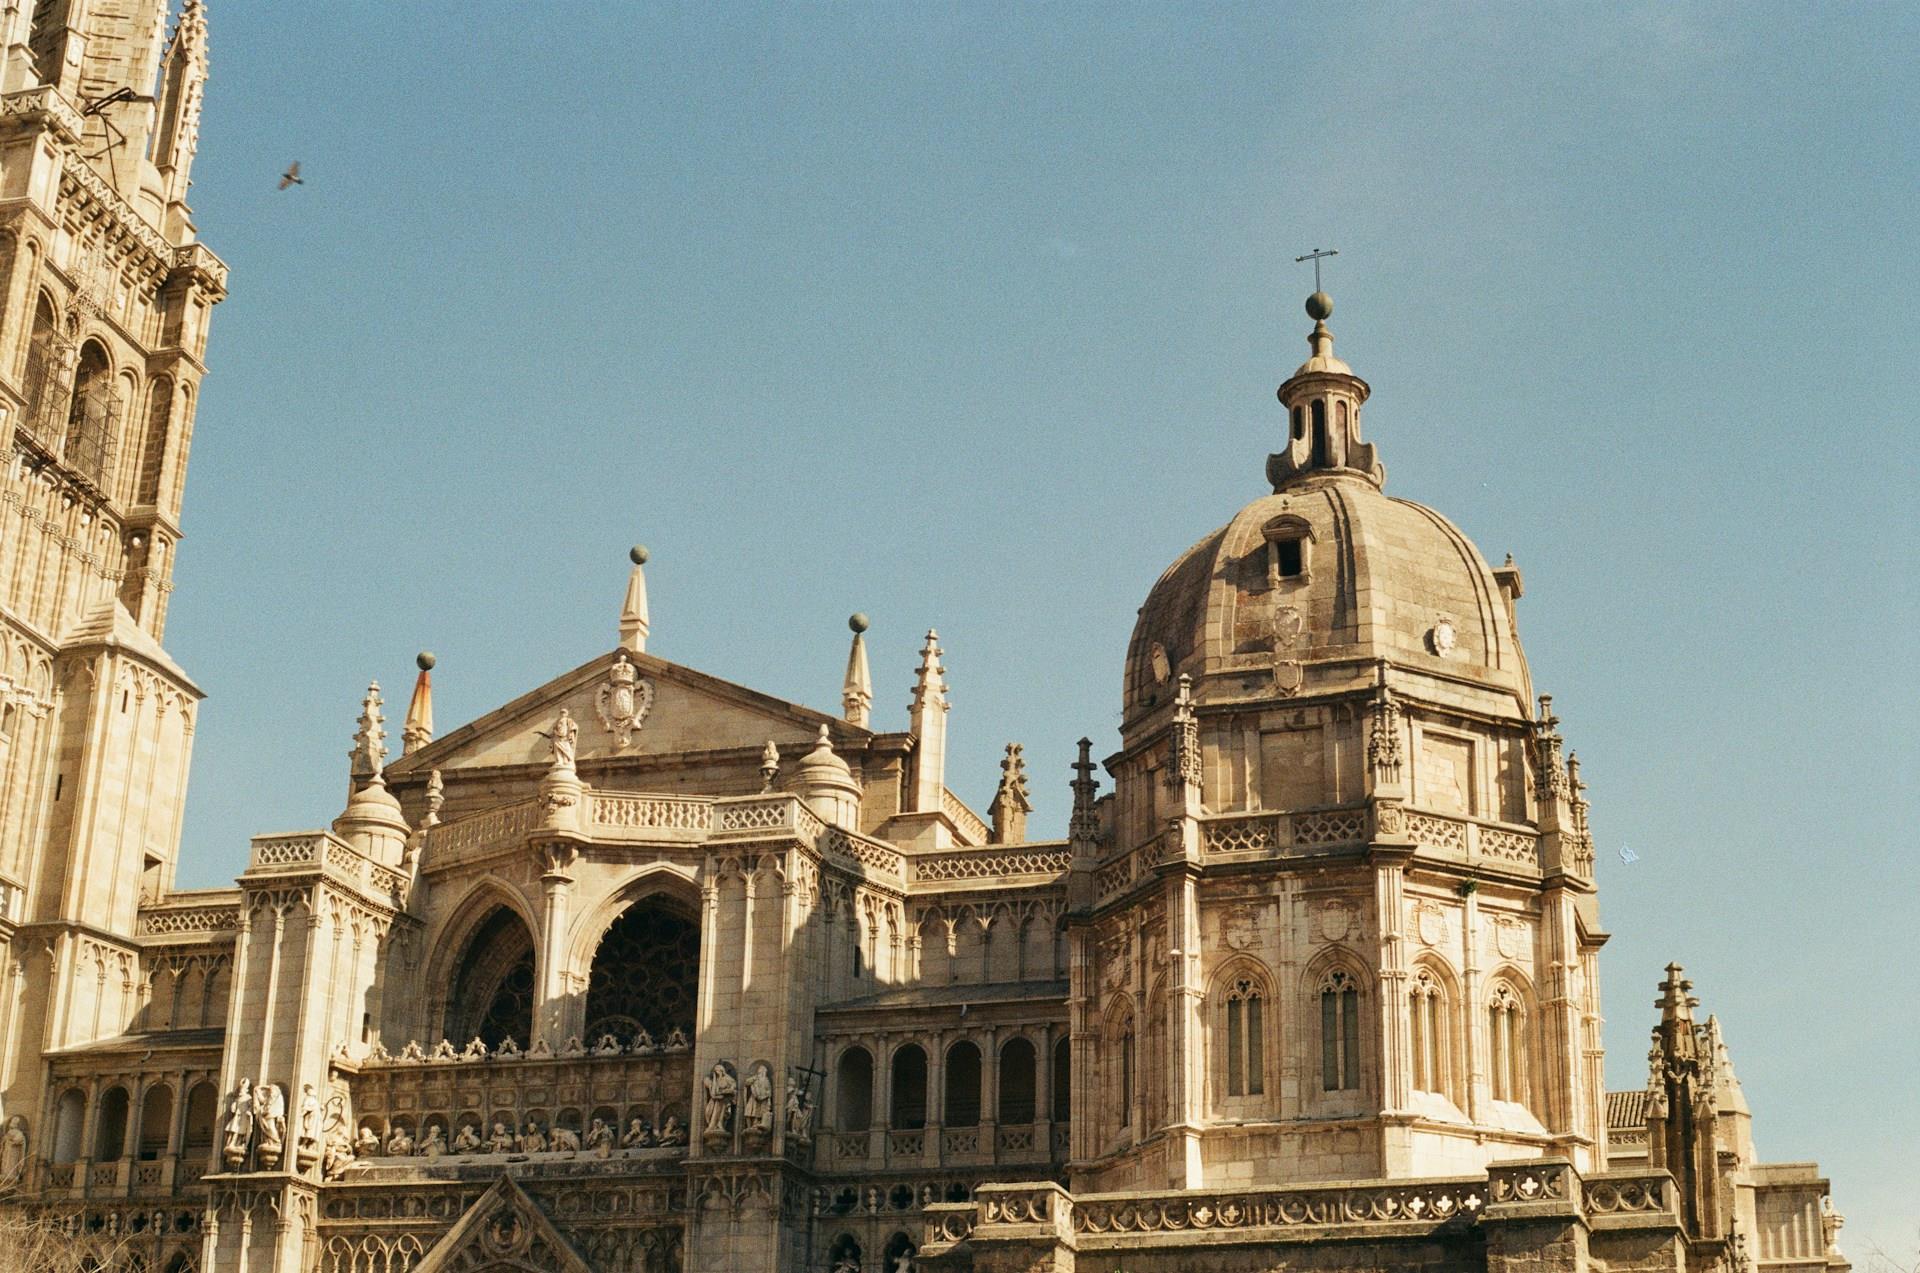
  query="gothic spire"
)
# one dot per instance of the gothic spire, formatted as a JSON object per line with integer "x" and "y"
{"x": 927, "y": 721}
{"x": 633, "y": 611}
{"x": 1084, "y": 825}
{"x": 856, "y": 691}
{"x": 369, "y": 753}
{"x": 417, "y": 732}
{"x": 1011, "y": 804}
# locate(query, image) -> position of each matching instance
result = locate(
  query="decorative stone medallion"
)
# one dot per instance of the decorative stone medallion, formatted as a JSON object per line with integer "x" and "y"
{"x": 1507, "y": 936}
{"x": 1162, "y": 667}
{"x": 1288, "y": 623}
{"x": 1441, "y": 638}
{"x": 1431, "y": 924}
{"x": 623, "y": 701}
{"x": 1241, "y": 927}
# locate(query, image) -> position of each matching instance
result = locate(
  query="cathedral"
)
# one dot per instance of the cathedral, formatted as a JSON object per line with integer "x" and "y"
{"x": 648, "y": 972}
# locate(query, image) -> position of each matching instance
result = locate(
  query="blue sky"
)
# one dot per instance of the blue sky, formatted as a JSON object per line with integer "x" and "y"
{"x": 970, "y": 317}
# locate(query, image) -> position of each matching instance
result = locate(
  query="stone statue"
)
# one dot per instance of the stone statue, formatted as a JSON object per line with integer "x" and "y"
{"x": 367, "y": 1143}
{"x": 720, "y": 1087}
{"x": 399, "y": 1143}
{"x": 563, "y": 739}
{"x": 671, "y": 1131}
{"x": 509, "y": 1050}
{"x": 599, "y": 1139}
{"x": 756, "y": 1110}
{"x": 638, "y": 1134}
{"x": 533, "y": 1140}
{"x": 799, "y": 1115}
{"x": 270, "y": 1116}
{"x": 476, "y": 1050}
{"x": 435, "y": 1143}
{"x": 607, "y": 1046}
{"x": 13, "y": 1152}
{"x": 339, "y": 1155}
{"x": 501, "y": 1142}
{"x": 309, "y": 1115}
{"x": 239, "y": 1125}
{"x": 565, "y": 1141}
{"x": 467, "y": 1139}
{"x": 643, "y": 1044}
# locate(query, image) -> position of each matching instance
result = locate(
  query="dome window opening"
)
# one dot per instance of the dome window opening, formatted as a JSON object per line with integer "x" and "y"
{"x": 1322, "y": 445}
{"x": 1299, "y": 423}
{"x": 1289, "y": 542}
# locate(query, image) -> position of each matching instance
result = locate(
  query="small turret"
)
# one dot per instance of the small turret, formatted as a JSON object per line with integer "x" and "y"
{"x": 633, "y": 610}
{"x": 856, "y": 692}
{"x": 826, "y": 783}
{"x": 417, "y": 731}
{"x": 1011, "y": 804}
{"x": 927, "y": 721}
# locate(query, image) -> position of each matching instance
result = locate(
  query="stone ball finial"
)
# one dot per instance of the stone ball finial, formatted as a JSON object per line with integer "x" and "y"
{"x": 638, "y": 554}
{"x": 858, "y": 622}
{"x": 1319, "y": 307}
{"x": 424, "y": 660}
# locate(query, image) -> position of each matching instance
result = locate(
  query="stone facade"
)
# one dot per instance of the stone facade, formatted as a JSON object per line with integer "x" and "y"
{"x": 645, "y": 970}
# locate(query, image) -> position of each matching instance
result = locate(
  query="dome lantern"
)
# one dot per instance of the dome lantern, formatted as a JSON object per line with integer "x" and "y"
{"x": 1322, "y": 399}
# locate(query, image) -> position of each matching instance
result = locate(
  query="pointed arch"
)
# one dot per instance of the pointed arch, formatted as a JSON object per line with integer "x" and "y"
{"x": 152, "y": 456}
{"x": 1117, "y": 1065}
{"x": 1243, "y": 1022}
{"x": 1510, "y": 1020}
{"x": 642, "y": 968}
{"x": 1337, "y": 990}
{"x": 1436, "y": 1054}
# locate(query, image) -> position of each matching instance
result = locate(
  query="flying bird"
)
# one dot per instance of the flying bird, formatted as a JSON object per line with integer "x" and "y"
{"x": 1628, "y": 856}
{"x": 291, "y": 177}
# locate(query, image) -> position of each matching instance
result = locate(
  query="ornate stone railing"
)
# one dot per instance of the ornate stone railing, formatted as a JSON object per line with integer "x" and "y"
{"x": 977, "y": 864}
{"x": 202, "y": 913}
{"x": 303, "y": 851}
{"x": 1626, "y": 1197}
{"x": 1125, "y": 1218}
{"x": 868, "y": 852}
{"x": 970, "y": 826}
{"x": 613, "y": 814}
{"x": 1260, "y": 835}
{"x": 1471, "y": 839}
{"x": 478, "y": 834}
{"x": 320, "y": 851}
{"x": 1115, "y": 877}
{"x": 945, "y": 1225}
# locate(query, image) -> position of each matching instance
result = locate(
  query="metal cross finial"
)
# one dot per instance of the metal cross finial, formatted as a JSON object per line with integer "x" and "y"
{"x": 1315, "y": 256}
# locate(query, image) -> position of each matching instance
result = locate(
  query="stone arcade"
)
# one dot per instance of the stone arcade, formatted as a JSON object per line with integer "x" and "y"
{"x": 648, "y": 971}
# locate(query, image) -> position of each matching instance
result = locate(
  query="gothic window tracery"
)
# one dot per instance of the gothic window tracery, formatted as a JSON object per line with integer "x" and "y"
{"x": 1245, "y": 1025}
{"x": 646, "y": 972}
{"x": 1339, "y": 1032}
{"x": 494, "y": 990}
{"x": 1507, "y": 1043}
{"x": 1430, "y": 1031}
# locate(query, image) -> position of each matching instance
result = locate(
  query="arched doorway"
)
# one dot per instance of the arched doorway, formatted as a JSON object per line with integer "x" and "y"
{"x": 646, "y": 972}
{"x": 493, "y": 990}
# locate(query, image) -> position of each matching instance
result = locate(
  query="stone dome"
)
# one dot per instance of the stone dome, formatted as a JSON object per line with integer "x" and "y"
{"x": 1330, "y": 575}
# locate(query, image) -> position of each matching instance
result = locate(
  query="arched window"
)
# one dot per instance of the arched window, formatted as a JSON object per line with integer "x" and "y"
{"x": 1507, "y": 1044}
{"x": 1322, "y": 452}
{"x": 1245, "y": 1029}
{"x": 962, "y": 1108}
{"x": 1430, "y": 1032}
{"x": 1339, "y": 1032}
{"x": 110, "y": 1138}
{"x": 1017, "y": 1081}
{"x": 493, "y": 989}
{"x": 1340, "y": 416}
{"x": 646, "y": 972}
{"x": 1299, "y": 423}
{"x": 909, "y": 1088}
{"x": 203, "y": 1104}
{"x": 93, "y": 417}
{"x": 153, "y": 448}
{"x": 853, "y": 1090}
{"x": 1062, "y": 1081}
{"x": 46, "y": 375}
{"x": 156, "y": 1121}
{"x": 69, "y": 1120}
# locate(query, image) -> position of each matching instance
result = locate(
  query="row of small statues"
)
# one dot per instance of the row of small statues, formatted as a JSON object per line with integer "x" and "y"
{"x": 753, "y": 1097}
{"x": 256, "y": 1125}
{"x": 607, "y": 1044}
{"x": 599, "y": 1139}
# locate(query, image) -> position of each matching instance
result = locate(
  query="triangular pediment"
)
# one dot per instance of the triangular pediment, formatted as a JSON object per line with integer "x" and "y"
{"x": 679, "y": 711}
{"x": 504, "y": 1229}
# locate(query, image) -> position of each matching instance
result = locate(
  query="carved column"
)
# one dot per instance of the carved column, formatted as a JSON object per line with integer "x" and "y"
{"x": 557, "y": 885}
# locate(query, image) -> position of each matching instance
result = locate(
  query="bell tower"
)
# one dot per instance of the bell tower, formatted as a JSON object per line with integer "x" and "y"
{"x": 105, "y": 296}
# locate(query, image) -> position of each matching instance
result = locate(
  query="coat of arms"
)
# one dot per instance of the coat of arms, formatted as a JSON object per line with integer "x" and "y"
{"x": 623, "y": 701}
